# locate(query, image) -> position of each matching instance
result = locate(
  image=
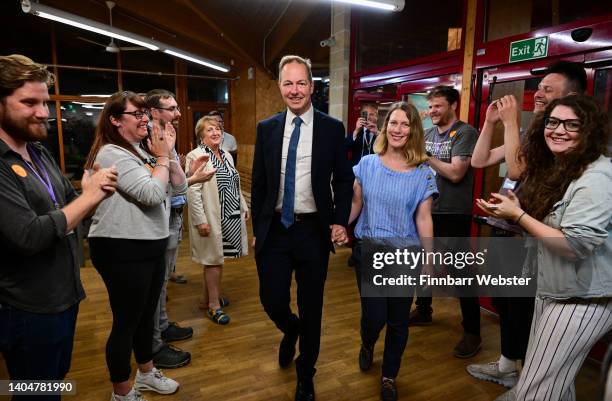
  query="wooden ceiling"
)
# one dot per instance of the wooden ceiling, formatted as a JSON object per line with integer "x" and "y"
{"x": 222, "y": 30}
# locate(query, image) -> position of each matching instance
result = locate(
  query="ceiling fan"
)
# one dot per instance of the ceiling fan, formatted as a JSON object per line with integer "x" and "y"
{"x": 112, "y": 47}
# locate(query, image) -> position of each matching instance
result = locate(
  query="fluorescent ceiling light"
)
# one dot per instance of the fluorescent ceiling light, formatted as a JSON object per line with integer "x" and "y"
{"x": 317, "y": 78}
{"x": 90, "y": 103}
{"x": 388, "y": 5}
{"x": 88, "y": 95}
{"x": 196, "y": 59}
{"x": 83, "y": 23}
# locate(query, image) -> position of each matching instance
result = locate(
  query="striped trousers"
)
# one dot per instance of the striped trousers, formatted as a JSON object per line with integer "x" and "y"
{"x": 562, "y": 334}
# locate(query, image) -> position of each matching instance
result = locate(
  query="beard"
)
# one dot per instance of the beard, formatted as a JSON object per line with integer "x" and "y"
{"x": 26, "y": 130}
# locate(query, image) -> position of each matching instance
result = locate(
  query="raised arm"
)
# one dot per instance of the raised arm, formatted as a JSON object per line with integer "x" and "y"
{"x": 483, "y": 155}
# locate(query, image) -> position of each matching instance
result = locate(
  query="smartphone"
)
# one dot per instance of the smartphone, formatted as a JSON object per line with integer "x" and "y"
{"x": 364, "y": 115}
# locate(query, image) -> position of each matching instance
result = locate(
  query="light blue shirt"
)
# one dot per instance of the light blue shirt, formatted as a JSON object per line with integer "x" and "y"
{"x": 584, "y": 215}
{"x": 391, "y": 198}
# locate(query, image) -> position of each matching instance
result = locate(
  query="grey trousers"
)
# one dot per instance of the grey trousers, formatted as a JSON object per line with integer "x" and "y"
{"x": 174, "y": 240}
{"x": 562, "y": 334}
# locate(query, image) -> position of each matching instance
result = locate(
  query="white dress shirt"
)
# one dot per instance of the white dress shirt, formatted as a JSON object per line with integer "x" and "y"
{"x": 304, "y": 198}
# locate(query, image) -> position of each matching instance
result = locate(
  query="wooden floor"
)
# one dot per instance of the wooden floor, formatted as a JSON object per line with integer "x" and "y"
{"x": 239, "y": 361}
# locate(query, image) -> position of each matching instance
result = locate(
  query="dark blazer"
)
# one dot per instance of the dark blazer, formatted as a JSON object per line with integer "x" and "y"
{"x": 329, "y": 165}
{"x": 356, "y": 146}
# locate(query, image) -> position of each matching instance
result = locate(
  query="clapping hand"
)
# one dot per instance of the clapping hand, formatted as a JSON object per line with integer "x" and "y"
{"x": 500, "y": 206}
{"x": 156, "y": 142}
{"x": 99, "y": 182}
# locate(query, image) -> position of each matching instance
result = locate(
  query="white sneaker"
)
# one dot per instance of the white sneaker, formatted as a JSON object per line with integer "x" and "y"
{"x": 490, "y": 372}
{"x": 155, "y": 381}
{"x": 133, "y": 395}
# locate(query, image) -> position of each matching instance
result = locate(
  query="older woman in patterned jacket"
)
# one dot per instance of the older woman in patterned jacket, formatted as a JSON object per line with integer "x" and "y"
{"x": 217, "y": 216}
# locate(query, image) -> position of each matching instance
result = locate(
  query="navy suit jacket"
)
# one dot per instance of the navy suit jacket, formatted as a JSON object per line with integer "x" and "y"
{"x": 356, "y": 146}
{"x": 329, "y": 166}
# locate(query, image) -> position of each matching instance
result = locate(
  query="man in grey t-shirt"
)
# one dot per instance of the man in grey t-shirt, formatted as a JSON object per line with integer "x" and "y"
{"x": 450, "y": 143}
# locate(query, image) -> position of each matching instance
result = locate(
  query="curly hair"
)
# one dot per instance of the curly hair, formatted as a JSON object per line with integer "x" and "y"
{"x": 546, "y": 176}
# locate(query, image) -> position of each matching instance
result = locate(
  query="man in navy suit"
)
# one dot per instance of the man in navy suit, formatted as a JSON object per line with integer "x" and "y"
{"x": 301, "y": 199}
{"x": 361, "y": 141}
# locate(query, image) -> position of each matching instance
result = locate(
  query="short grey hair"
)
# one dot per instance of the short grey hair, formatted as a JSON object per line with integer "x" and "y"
{"x": 290, "y": 58}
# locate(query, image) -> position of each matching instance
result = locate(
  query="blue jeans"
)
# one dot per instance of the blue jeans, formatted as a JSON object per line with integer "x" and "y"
{"x": 37, "y": 346}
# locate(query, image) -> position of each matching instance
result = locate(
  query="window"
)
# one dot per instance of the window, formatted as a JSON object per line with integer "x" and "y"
{"x": 83, "y": 82}
{"x": 150, "y": 63}
{"x": 52, "y": 141}
{"x": 142, "y": 83}
{"x": 79, "y": 122}
{"x": 508, "y": 18}
{"x": 389, "y": 38}
{"x": 205, "y": 89}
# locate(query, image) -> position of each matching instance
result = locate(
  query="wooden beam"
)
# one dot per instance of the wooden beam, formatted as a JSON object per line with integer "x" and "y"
{"x": 290, "y": 24}
{"x": 468, "y": 60}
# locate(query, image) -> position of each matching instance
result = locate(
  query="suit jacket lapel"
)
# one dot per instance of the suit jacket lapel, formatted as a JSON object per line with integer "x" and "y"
{"x": 276, "y": 147}
{"x": 317, "y": 143}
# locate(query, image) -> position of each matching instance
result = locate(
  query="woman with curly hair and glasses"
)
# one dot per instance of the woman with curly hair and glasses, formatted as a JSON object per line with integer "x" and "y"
{"x": 566, "y": 206}
{"x": 128, "y": 236}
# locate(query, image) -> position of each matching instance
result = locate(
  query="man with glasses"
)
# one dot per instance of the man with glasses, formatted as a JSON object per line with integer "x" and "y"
{"x": 163, "y": 109}
{"x": 563, "y": 78}
{"x": 229, "y": 143}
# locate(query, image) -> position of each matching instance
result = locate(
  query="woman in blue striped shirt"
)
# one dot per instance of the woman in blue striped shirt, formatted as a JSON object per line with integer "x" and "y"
{"x": 393, "y": 194}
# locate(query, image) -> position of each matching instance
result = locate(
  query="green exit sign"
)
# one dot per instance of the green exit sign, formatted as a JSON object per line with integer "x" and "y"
{"x": 528, "y": 49}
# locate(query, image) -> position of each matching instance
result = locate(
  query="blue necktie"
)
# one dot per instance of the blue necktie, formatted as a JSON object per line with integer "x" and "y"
{"x": 287, "y": 216}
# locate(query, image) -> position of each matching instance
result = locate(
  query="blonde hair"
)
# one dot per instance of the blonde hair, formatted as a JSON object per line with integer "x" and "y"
{"x": 295, "y": 59}
{"x": 212, "y": 120}
{"x": 16, "y": 70}
{"x": 414, "y": 149}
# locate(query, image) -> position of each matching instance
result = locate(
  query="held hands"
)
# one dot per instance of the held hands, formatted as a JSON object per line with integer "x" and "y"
{"x": 158, "y": 141}
{"x": 203, "y": 229}
{"x": 338, "y": 234}
{"x": 99, "y": 183}
{"x": 500, "y": 206}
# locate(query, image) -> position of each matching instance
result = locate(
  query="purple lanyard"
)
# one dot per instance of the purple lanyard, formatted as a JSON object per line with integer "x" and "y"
{"x": 46, "y": 181}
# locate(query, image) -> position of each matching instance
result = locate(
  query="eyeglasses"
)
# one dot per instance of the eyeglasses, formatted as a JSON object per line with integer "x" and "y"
{"x": 571, "y": 125}
{"x": 138, "y": 114}
{"x": 172, "y": 109}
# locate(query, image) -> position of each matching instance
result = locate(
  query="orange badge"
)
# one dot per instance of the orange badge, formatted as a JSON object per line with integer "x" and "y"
{"x": 20, "y": 171}
{"x": 452, "y": 134}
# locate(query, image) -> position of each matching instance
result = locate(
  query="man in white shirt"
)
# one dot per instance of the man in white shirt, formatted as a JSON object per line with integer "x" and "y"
{"x": 298, "y": 215}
